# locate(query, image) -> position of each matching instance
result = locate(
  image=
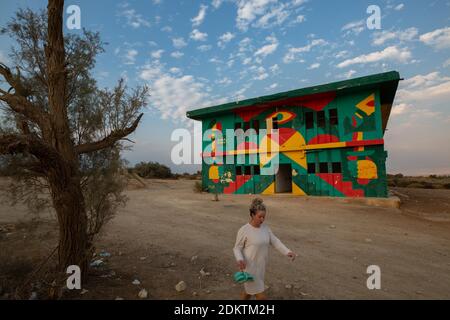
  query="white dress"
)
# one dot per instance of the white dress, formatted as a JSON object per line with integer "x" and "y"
{"x": 252, "y": 246}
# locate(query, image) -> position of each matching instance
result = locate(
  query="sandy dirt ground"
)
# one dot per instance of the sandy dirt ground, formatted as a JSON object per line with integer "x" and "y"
{"x": 167, "y": 233}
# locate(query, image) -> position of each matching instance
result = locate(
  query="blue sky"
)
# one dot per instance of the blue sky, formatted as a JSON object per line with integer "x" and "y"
{"x": 194, "y": 54}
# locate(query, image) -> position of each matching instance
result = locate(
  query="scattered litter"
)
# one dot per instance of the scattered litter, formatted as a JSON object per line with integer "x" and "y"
{"x": 203, "y": 273}
{"x": 288, "y": 286}
{"x": 143, "y": 294}
{"x": 96, "y": 263}
{"x": 104, "y": 254}
{"x": 142, "y": 258}
{"x": 332, "y": 226}
{"x": 84, "y": 291}
{"x": 136, "y": 282}
{"x": 33, "y": 296}
{"x": 194, "y": 258}
{"x": 194, "y": 294}
{"x": 119, "y": 298}
{"x": 304, "y": 294}
{"x": 181, "y": 286}
{"x": 368, "y": 240}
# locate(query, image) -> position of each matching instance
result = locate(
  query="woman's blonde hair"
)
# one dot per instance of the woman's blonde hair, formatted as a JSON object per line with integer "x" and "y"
{"x": 257, "y": 205}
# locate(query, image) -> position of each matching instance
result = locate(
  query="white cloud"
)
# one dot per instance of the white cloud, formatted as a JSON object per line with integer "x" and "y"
{"x": 439, "y": 38}
{"x": 133, "y": 18}
{"x": 314, "y": 66}
{"x": 427, "y": 80}
{"x": 217, "y": 3}
{"x": 247, "y": 61}
{"x": 177, "y": 54}
{"x": 272, "y": 86}
{"x": 261, "y": 73}
{"x": 198, "y": 36}
{"x": 225, "y": 38}
{"x": 425, "y": 88}
{"x": 248, "y": 10}
{"x": 342, "y": 54}
{"x": 176, "y": 71}
{"x": 166, "y": 29}
{"x": 157, "y": 54}
{"x": 384, "y": 36}
{"x": 269, "y": 48}
{"x": 399, "y": 7}
{"x": 400, "y": 109}
{"x": 173, "y": 95}
{"x": 355, "y": 27}
{"x": 179, "y": 42}
{"x": 390, "y": 53}
{"x": 293, "y": 52}
{"x": 225, "y": 81}
{"x": 275, "y": 69}
{"x": 347, "y": 75}
{"x": 275, "y": 17}
{"x": 200, "y": 17}
{"x": 300, "y": 19}
{"x": 130, "y": 56}
{"x": 204, "y": 47}
{"x": 447, "y": 63}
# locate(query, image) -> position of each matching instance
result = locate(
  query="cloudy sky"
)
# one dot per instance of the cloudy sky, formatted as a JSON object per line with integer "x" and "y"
{"x": 194, "y": 54}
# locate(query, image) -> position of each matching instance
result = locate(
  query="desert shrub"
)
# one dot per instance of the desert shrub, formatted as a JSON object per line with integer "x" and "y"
{"x": 198, "y": 187}
{"x": 152, "y": 170}
{"x": 446, "y": 186}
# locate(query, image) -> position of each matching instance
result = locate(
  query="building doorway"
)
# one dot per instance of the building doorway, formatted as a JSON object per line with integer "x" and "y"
{"x": 283, "y": 179}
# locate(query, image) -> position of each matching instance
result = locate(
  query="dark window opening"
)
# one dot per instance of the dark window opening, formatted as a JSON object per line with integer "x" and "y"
{"x": 274, "y": 123}
{"x": 309, "y": 120}
{"x": 248, "y": 170}
{"x": 336, "y": 166}
{"x": 333, "y": 117}
{"x": 311, "y": 168}
{"x": 246, "y": 126}
{"x": 256, "y": 170}
{"x": 323, "y": 167}
{"x": 237, "y": 125}
{"x": 256, "y": 126}
{"x": 238, "y": 170}
{"x": 321, "y": 119}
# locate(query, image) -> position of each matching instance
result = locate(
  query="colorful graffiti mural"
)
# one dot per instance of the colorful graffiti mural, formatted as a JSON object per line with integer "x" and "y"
{"x": 328, "y": 145}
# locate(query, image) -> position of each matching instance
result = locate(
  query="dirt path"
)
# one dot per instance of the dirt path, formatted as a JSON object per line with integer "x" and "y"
{"x": 162, "y": 227}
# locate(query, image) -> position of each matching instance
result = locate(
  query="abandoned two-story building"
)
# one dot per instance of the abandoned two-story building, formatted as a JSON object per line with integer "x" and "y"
{"x": 329, "y": 140}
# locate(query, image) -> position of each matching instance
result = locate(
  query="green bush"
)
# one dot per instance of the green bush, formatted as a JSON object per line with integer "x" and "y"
{"x": 152, "y": 170}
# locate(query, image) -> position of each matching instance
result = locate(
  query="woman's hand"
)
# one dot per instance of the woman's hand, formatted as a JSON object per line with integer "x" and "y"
{"x": 291, "y": 255}
{"x": 241, "y": 265}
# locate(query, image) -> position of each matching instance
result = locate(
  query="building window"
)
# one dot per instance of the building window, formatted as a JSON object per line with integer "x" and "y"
{"x": 238, "y": 170}
{"x": 323, "y": 167}
{"x": 309, "y": 120}
{"x": 336, "y": 167}
{"x": 256, "y": 126}
{"x": 311, "y": 168}
{"x": 274, "y": 123}
{"x": 333, "y": 117}
{"x": 321, "y": 119}
{"x": 237, "y": 126}
{"x": 256, "y": 170}
{"x": 246, "y": 126}
{"x": 248, "y": 170}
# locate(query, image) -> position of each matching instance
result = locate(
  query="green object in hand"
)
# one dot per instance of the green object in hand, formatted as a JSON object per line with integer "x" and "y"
{"x": 241, "y": 277}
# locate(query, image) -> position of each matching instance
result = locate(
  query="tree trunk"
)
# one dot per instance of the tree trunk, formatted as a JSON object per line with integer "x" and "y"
{"x": 69, "y": 205}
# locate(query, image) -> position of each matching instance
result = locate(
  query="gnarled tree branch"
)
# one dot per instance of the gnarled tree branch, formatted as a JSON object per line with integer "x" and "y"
{"x": 109, "y": 141}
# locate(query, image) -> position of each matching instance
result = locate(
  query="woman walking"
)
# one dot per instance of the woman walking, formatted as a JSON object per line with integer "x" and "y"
{"x": 252, "y": 250}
